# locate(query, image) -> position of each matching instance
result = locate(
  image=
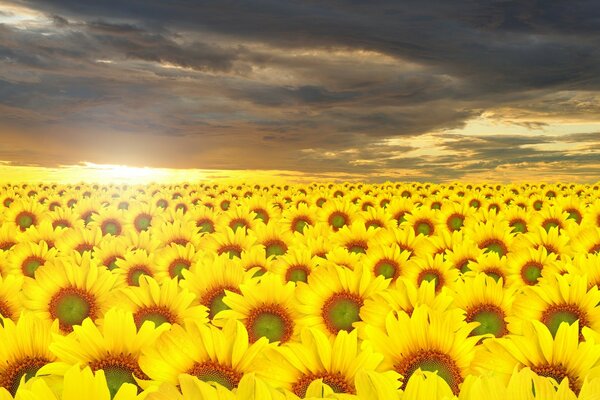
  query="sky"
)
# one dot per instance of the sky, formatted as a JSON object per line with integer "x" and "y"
{"x": 379, "y": 90}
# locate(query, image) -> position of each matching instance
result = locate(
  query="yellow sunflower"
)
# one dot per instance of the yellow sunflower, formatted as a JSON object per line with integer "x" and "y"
{"x": 296, "y": 265}
{"x": 25, "y": 258}
{"x": 528, "y": 266}
{"x": 115, "y": 347}
{"x": 431, "y": 341}
{"x": 205, "y": 351}
{"x": 70, "y": 290}
{"x": 229, "y": 242}
{"x": 267, "y": 308}
{"x": 24, "y": 349}
{"x": 387, "y": 261}
{"x": 432, "y": 269}
{"x": 110, "y": 221}
{"x": 173, "y": 259}
{"x": 333, "y": 297}
{"x": 492, "y": 237}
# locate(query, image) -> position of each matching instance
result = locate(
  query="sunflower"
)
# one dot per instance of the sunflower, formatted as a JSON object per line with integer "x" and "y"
{"x": 114, "y": 347}
{"x": 432, "y": 269}
{"x": 295, "y": 219}
{"x": 229, "y": 242}
{"x": 11, "y": 296}
{"x": 164, "y": 303}
{"x": 296, "y": 265}
{"x": 110, "y": 221}
{"x": 86, "y": 208}
{"x": 142, "y": 241}
{"x": 387, "y": 261}
{"x": 210, "y": 278}
{"x": 376, "y": 218}
{"x": 341, "y": 257}
{"x": 337, "y": 213}
{"x": 356, "y": 238}
{"x": 550, "y": 217}
{"x": 170, "y": 261}
{"x": 553, "y": 241}
{"x": 333, "y": 297}
{"x": 398, "y": 209}
{"x": 419, "y": 246}
{"x": 528, "y": 266}
{"x": 239, "y": 217}
{"x": 266, "y": 307}
{"x": 25, "y": 258}
{"x": 556, "y": 300}
{"x": 190, "y": 387}
{"x": 110, "y": 250}
{"x": 142, "y": 216}
{"x": 256, "y": 258}
{"x": 262, "y": 207}
{"x": 462, "y": 254}
{"x": 573, "y": 206}
{"x": 422, "y": 220}
{"x": 275, "y": 240}
{"x": 63, "y": 217}
{"x": 484, "y": 300}
{"x": 70, "y": 290}
{"x": 25, "y": 213}
{"x": 588, "y": 265}
{"x": 77, "y": 384}
{"x": 317, "y": 239}
{"x": 491, "y": 265}
{"x": 587, "y": 241}
{"x": 295, "y": 365}
{"x": 492, "y": 236}
{"x": 44, "y": 232}
{"x": 206, "y": 220}
{"x": 444, "y": 241}
{"x": 79, "y": 240}
{"x": 591, "y": 215}
{"x": 431, "y": 341}
{"x": 10, "y": 235}
{"x": 24, "y": 349}
{"x": 179, "y": 233}
{"x": 403, "y": 297}
{"x": 205, "y": 351}
{"x": 556, "y": 357}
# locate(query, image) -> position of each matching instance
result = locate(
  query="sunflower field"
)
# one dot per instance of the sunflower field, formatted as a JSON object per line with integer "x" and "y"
{"x": 311, "y": 291}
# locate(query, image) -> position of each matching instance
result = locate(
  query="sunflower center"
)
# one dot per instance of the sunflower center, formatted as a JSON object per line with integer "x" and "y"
{"x": 142, "y": 222}
{"x": 574, "y": 214}
{"x": 373, "y": 223}
{"x": 558, "y": 373}
{"x": 71, "y": 306}
{"x": 432, "y": 361}
{"x": 213, "y": 300}
{"x": 275, "y": 247}
{"x": 111, "y": 263}
{"x": 6, "y": 245}
{"x": 341, "y": 310}
{"x": 134, "y": 274}
{"x": 83, "y": 247}
{"x": 431, "y": 275}
{"x": 177, "y": 266}
{"x": 25, "y": 219}
{"x": 338, "y": 219}
{"x": 270, "y": 321}
{"x": 490, "y": 318}
{"x": 556, "y": 314}
{"x": 261, "y": 214}
{"x": 531, "y": 272}
{"x": 595, "y": 249}
{"x": 551, "y": 223}
{"x": 210, "y": 371}
{"x": 356, "y": 247}
{"x": 297, "y": 273}
{"x": 299, "y": 224}
{"x": 118, "y": 369}
{"x": 30, "y": 264}
{"x": 335, "y": 381}
{"x": 7, "y": 202}
{"x": 387, "y": 268}
{"x": 27, "y": 367}
{"x": 494, "y": 273}
{"x": 205, "y": 225}
{"x": 518, "y": 225}
{"x": 494, "y": 245}
{"x": 232, "y": 250}
{"x": 61, "y": 223}
{"x": 455, "y": 222}
{"x": 463, "y": 265}
{"x": 111, "y": 227}
{"x": 424, "y": 227}
{"x": 157, "y": 314}
{"x": 238, "y": 223}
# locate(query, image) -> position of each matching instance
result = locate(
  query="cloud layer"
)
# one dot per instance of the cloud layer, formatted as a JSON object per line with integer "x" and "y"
{"x": 387, "y": 89}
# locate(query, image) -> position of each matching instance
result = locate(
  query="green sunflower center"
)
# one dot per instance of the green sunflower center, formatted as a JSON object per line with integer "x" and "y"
{"x": 297, "y": 274}
{"x": 490, "y": 318}
{"x": 142, "y": 222}
{"x": 518, "y": 226}
{"x": 177, "y": 266}
{"x": 262, "y": 215}
{"x": 455, "y": 222}
{"x": 157, "y": 314}
{"x": 210, "y": 371}
{"x": 531, "y": 272}
{"x": 117, "y": 376}
{"x": 423, "y": 227}
{"x": 206, "y": 225}
{"x": 271, "y": 322}
{"x": 30, "y": 265}
{"x": 357, "y": 247}
{"x": 338, "y": 220}
{"x": 214, "y": 300}
{"x": 111, "y": 263}
{"x": 386, "y": 268}
{"x": 237, "y": 224}
{"x": 136, "y": 273}
{"x": 275, "y": 248}
{"x": 111, "y": 227}
{"x": 558, "y": 314}
{"x": 551, "y": 223}
{"x": 299, "y": 225}
{"x": 496, "y": 246}
{"x": 71, "y": 306}
{"x": 118, "y": 369}
{"x": 341, "y": 310}
{"x": 25, "y": 220}
{"x": 430, "y": 275}
{"x": 27, "y": 367}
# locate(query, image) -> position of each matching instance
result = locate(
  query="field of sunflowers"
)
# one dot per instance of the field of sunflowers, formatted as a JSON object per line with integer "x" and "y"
{"x": 317, "y": 291}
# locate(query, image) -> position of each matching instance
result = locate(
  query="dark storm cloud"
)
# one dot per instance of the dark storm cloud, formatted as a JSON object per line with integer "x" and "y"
{"x": 282, "y": 84}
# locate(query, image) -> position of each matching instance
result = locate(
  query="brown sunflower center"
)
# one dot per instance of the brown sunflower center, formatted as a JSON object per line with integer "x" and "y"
{"x": 357, "y": 246}
{"x": 334, "y": 380}
{"x": 433, "y": 361}
{"x": 341, "y": 310}
{"x": 157, "y": 314}
{"x": 232, "y": 250}
{"x": 142, "y": 222}
{"x": 238, "y": 223}
{"x": 271, "y": 321}
{"x": 494, "y": 245}
{"x": 550, "y": 223}
{"x": 213, "y": 299}
{"x": 387, "y": 268}
{"x": 71, "y": 306}
{"x": 13, "y": 373}
{"x": 299, "y": 223}
{"x": 135, "y": 273}
{"x": 558, "y": 373}
{"x": 118, "y": 369}
{"x": 275, "y": 247}
{"x": 111, "y": 227}
{"x": 338, "y": 219}
{"x": 455, "y": 222}
{"x": 210, "y": 371}
{"x": 205, "y": 225}
{"x": 424, "y": 227}
{"x": 61, "y": 223}
{"x": 83, "y": 247}
{"x": 297, "y": 273}
{"x": 7, "y": 245}
{"x": 531, "y": 272}
{"x": 25, "y": 219}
